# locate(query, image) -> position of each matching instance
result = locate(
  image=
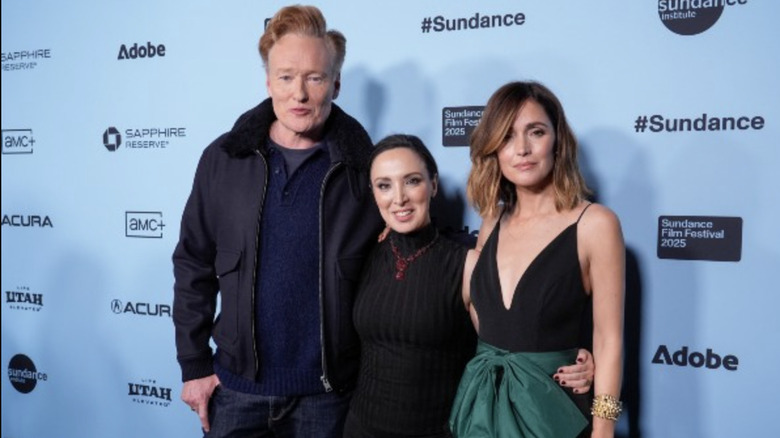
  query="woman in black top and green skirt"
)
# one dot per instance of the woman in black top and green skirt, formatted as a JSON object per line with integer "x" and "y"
{"x": 548, "y": 258}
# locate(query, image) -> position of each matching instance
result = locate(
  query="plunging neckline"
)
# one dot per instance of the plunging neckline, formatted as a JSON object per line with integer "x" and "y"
{"x": 528, "y": 268}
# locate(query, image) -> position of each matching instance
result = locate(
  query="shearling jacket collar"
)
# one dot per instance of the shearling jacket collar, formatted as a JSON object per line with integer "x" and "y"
{"x": 349, "y": 142}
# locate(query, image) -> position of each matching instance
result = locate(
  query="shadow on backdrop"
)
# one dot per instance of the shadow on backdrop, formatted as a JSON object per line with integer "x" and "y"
{"x": 448, "y": 213}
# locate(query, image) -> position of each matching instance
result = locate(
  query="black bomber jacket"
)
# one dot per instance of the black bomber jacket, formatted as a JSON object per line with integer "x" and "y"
{"x": 217, "y": 250}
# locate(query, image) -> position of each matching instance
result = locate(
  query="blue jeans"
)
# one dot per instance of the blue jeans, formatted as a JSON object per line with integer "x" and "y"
{"x": 235, "y": 414}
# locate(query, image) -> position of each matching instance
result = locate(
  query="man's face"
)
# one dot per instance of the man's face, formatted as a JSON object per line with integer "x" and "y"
{"x": 302, "y": 86}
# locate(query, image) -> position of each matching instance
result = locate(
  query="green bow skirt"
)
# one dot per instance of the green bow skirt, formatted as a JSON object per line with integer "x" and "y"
{"x": 511, "y": 395}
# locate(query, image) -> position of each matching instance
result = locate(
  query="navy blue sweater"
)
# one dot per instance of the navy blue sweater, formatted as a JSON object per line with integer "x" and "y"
{"x": 287, "y": 301}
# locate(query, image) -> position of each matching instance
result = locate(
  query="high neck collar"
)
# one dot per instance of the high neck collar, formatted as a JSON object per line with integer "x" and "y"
{"x": 410, "y": 242}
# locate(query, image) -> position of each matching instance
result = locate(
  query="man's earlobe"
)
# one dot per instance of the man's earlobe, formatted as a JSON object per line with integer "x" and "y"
{"x": 336, "y": 86}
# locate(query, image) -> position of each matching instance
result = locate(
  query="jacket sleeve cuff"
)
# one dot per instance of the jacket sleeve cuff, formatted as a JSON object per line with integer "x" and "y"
{"x": 196, "y": 368}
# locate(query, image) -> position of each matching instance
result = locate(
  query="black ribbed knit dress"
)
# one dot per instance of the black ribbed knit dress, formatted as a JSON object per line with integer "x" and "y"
{"x": 416, "y": 337}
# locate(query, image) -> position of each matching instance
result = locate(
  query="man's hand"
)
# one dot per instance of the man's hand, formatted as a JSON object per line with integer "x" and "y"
{"x": 197, "y": 393}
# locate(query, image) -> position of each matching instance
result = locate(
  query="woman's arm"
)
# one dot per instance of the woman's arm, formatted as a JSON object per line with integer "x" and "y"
{"x": 604, "y": 252}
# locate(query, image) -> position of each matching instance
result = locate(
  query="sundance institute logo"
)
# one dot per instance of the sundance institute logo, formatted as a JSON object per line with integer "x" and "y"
{"x": 23, "y": 374}
{"x": 692, "y": 17}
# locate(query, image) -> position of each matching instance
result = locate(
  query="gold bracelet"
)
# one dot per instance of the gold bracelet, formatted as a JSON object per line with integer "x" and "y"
{"x": 606, "y": 406}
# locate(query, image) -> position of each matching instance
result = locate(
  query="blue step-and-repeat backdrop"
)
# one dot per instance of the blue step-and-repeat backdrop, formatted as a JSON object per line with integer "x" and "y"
{"x": 107, "y": 105}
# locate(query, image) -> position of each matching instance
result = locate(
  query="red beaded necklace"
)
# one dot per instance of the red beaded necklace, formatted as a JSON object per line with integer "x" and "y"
{"x": 402, "y": 263}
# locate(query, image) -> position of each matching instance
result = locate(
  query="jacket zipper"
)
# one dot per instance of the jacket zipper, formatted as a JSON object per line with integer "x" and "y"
{"x": 324, "y": 377}
{"x": 254, "y": 271}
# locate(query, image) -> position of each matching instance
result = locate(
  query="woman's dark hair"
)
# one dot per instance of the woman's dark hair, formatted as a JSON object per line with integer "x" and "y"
{"x": 410, "y": 142}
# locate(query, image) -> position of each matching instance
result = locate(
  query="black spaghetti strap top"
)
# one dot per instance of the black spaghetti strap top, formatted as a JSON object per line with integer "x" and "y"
{"x": 549, "y": 305}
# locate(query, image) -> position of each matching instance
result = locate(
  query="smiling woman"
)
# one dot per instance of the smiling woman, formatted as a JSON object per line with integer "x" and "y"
{"x": 403, "y": 186}
{"x": 415, "y": 333}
